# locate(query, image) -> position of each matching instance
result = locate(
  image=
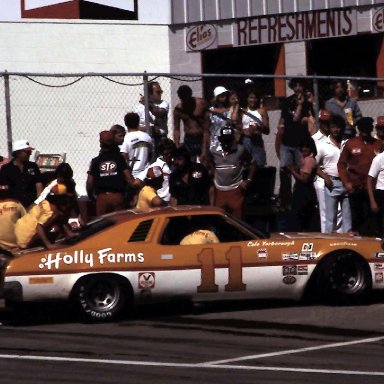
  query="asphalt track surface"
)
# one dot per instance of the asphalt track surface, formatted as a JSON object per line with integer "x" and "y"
{"x": 233, "y": 342}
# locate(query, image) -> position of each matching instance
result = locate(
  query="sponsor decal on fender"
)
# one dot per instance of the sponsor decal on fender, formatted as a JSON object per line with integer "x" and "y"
{"x": 289, "y": 270}
{"x": 302, "y": 269}
{"x": 299, "y": 256}
{"x": 307, "y": 247}
{"x": 295, "y": 270}
{"x": 289, "y": 279}
{"x": 262, "y": 253}
{"x": 343, "y": 244}
{"x": 41, "y": 280}
{"x": 104, "y": 256}
{"x": 146, "y": 280}
{"x": 379, "y": 277}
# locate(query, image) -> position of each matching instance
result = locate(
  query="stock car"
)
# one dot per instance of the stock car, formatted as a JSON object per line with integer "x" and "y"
{"x": 128, "y": 257}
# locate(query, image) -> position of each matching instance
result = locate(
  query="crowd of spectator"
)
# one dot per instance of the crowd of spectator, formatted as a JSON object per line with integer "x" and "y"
{"x": 333, "y": 159}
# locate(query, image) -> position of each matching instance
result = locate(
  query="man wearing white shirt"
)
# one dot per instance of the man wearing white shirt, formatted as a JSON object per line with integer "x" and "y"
{"x": 164, "y": 161}
{"x": 328, "y": 153}
{"x": 137, "y": 146}
{"x": 319, "y": 137}
{"x": 375, "y": 187}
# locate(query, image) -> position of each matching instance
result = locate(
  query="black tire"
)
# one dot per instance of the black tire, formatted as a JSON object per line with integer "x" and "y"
{"x": 100, "y": 298}
{"x": 344, "y": 278}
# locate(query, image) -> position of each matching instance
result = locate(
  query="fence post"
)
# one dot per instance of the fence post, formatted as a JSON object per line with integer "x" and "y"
{"x": 7, "y": 97}
{"x": 316, "y": 98}
{"x": 146, "y": 103}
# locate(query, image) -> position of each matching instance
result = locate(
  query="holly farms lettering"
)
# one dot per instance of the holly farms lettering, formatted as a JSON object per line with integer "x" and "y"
{"x": 104, "y": 256}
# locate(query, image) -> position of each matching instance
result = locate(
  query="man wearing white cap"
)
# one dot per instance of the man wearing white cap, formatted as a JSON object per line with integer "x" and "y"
{"x": 220, "y": 115}
{"x": 23, "y": 176}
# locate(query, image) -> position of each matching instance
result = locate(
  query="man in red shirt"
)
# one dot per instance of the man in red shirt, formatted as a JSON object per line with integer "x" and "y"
{"x": 353, "y": 166}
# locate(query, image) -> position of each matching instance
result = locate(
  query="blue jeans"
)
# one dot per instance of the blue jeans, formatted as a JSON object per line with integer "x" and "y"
{"x": 338, "y": 196}
{"x": 289, "y": 155}
{"x": 257, "y": 152}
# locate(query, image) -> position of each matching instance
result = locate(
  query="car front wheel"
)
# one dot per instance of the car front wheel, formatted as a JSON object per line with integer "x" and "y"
{"x": 100, "y": 298}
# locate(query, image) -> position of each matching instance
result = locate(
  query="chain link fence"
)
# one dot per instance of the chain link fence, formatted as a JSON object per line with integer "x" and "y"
{"x": 63, "y": 113}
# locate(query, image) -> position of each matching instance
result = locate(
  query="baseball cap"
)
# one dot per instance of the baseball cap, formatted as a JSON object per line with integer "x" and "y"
{"x": 324, "y": 115}
{"x": 219, "y": 91}
{"x": 365, "y": 123}
{"x": 19, "y": 145}
{"x": 154, "y": 173}
{"x": 106, "y": 137}
{"x": 58, "y": 189}
{"x": 380, "y": 122}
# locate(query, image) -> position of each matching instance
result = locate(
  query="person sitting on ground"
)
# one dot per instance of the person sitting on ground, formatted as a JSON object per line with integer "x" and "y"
{"x": 63, "y": 175}
{"x": 37, "y": 225}
{"x": 10, "y": 211}
{"x": 148, "y": 197}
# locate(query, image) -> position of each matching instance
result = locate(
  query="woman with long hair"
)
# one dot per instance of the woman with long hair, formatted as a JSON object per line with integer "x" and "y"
{"x": 255, "y": 124}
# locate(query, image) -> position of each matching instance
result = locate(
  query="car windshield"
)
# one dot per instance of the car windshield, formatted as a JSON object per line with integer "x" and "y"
{"x": 257, "y": 232}
{"x": 90, "y": 229}
{"x": 226, "y": 228}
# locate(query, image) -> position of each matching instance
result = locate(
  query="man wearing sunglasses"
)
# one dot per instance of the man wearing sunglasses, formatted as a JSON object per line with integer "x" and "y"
{"x": 158, "y": 112}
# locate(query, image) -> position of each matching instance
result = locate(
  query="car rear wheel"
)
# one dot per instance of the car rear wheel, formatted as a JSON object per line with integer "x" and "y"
{"x": 344, "y": 278}
{"x": 101, "y": 297}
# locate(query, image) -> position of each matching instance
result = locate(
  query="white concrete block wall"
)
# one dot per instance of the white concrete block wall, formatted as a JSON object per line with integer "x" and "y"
{"x": 83, "y": 47}
{"x": 69, "y": 119}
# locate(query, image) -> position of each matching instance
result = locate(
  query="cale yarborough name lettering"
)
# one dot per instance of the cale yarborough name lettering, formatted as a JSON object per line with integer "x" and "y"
{"x": 270, "y": 243}
{"x": 58, "y": 259}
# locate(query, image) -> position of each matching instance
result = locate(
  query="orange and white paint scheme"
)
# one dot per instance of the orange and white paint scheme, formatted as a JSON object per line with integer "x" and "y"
{"x": 130, "y": 256}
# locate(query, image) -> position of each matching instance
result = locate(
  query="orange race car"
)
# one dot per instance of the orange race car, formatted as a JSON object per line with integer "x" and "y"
{"x": 189, "y": 252}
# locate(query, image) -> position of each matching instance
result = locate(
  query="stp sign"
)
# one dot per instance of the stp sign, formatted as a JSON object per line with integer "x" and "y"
{"x": 378, "y": 20}
{"x": 108, "y": 166}
{"x": 201, "y": 37}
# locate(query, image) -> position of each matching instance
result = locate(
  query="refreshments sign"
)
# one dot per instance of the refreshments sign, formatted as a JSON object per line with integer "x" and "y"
{"x": 295, "y": 27}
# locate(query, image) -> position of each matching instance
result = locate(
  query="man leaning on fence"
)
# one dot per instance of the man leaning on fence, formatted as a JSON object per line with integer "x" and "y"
{"x": 193, "y": 112}
{"x": 157, "y": 112}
